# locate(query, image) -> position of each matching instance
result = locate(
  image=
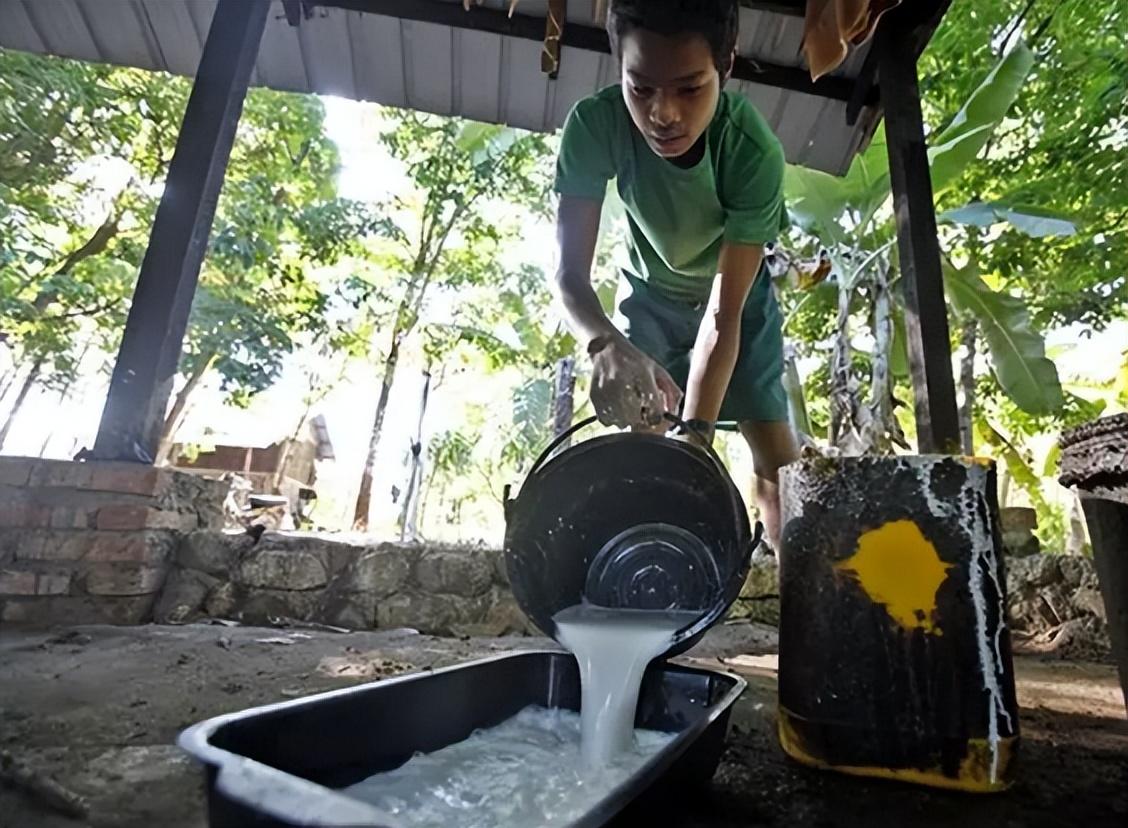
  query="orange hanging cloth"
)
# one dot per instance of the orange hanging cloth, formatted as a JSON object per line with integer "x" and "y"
{"x": 832, "y": 25}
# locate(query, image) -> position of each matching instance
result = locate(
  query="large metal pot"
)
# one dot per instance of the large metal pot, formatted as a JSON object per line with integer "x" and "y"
{"x": 629, "y": 521}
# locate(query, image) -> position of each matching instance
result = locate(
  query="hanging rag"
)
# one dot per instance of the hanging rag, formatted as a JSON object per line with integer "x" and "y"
{"x": 832, "y": 25}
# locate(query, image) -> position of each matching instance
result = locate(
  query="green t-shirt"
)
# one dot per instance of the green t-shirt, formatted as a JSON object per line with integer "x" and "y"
{"x": 678, "y": 217}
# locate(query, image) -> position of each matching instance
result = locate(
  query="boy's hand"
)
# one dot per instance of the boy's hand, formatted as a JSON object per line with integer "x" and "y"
{"x": 628, "y": 388}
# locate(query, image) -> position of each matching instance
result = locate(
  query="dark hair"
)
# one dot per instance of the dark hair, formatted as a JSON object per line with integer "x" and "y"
{"x": 715, "y": 20}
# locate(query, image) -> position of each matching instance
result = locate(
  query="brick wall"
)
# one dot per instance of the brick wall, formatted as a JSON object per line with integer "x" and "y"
{"x": 93, "y": 542}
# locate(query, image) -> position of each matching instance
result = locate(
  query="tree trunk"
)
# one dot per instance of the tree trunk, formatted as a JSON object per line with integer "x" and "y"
{"x": 364, "y": 496}
{"x": 967, "y": 386}
{"x": 882, "y": 428}
{"x": 564, "y": 397}
{"x": 25, "y": 389}
{"x": 7, "y": 381}
{"x": 841, "y": 404}
{"x": 409, "y": 516}
{"x": 288, "y": 450}
{"x": 796, "y": 399}
{"x": 175, "y": 416}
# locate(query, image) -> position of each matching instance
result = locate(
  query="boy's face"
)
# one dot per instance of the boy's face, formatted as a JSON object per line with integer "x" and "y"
{"x": 671, "y": 87}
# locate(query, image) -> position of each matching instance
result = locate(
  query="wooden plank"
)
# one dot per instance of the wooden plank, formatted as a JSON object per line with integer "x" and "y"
{"x": 585, "y": 38}
{"x": 146, "y": 365}
{"x": 926, "y": 313}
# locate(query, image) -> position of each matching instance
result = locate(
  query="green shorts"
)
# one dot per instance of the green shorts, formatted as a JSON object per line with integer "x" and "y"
{"x": 666, "y": 329}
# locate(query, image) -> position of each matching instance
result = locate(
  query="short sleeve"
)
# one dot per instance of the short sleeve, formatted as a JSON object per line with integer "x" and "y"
{"x": 586, "y": 162}
{"x": 752, "y": 188}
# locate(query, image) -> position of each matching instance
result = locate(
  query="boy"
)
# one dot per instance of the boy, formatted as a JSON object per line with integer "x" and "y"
{"x": 701, "y": 176}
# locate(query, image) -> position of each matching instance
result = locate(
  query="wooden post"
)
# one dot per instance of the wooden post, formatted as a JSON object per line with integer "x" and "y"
{"x": 926, "y": 313}
{"x": 1108, "y": 528}
{"x": 154, "y": 332}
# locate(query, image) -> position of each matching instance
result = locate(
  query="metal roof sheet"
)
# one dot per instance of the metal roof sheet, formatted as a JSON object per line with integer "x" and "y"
{"x": 427, "y": 66}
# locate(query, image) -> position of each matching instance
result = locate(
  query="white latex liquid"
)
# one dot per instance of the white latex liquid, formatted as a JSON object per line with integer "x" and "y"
{"x": 543, "y": 768}
{"x": 524, "y": 773}
{"x": 613, "y": 648}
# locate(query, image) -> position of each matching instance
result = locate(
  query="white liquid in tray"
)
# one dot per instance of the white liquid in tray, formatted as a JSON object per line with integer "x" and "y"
{"x": 524, "y": 773}
{"x": 543, "y": 768}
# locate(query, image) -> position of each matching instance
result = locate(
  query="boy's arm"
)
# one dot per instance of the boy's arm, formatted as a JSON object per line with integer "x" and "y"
{"x": 577, "y": 231}
{"x": 628, "y": 388}
{"x": 718, "y": 338}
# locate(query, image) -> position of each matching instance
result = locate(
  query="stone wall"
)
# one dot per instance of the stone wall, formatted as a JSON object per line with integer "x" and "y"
{"x": 93, "y": 542}
{"x": 282, "y": 578}
{"x": 1054, "y": 601}
{"x": 759, "y": 599}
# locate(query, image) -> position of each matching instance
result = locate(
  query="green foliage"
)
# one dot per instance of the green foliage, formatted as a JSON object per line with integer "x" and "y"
{"x": 86, "y": 150}
{"x": 1018, "y": 353}
{"x": 1035, "y": 222}
{"x": 1062, "y": 147}
{"x": 532, "y": 409}
{"x": 955, "y": 147}
{"x": 848, "y": 218}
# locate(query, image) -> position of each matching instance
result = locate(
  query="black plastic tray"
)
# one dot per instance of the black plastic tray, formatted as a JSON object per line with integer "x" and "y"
{"x": 279, "y": 765}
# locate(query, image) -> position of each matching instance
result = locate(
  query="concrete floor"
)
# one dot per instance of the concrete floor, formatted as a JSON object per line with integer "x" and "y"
{"x": 98, "y": 709}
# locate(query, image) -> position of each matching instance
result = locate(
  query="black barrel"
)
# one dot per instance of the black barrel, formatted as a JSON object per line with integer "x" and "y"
{"x": 663, "y": 512}
{"x": 895, "y": 657}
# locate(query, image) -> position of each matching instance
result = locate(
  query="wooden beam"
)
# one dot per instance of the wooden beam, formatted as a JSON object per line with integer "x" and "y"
{"x": 158, "y": 317}
{"x": 864, "y": 91}
{"x": 926, "y": 313}
{"x": 920, "y": 20}
{"x": 584, "y": 38}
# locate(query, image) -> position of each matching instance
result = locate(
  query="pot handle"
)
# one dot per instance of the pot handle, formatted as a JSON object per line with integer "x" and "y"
{"x": 705, "y": 444}
{"x": 557, "y": 442}
{"x": 571, "y": 430}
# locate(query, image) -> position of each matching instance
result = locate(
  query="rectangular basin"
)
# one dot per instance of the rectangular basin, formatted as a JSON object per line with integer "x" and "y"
{"x": 281, "y": 765}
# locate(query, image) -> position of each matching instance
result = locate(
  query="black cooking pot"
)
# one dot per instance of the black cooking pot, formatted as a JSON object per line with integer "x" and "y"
{"x": 630, "y": 521}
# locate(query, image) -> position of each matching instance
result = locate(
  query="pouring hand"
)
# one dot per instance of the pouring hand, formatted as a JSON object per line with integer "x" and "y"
{"x": 629, "y": 389}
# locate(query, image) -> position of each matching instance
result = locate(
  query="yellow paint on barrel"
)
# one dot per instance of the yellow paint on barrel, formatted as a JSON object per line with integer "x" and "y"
{"x": 973, "y": 775}
{"x": 898, "y": 567}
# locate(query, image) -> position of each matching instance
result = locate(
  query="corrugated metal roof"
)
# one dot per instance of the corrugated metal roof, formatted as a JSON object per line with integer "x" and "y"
{"x": 425, "y": 66}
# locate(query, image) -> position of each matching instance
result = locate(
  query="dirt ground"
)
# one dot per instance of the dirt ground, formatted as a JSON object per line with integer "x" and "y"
{"x": 98, "y": 710}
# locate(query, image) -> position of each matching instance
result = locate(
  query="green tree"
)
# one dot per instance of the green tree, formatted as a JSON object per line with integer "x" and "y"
{"x": 445, "y": 237}
{"x": 89, "y": 148}
{"x": 1063, "y": 146}
{"x": 851, "y": 220}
